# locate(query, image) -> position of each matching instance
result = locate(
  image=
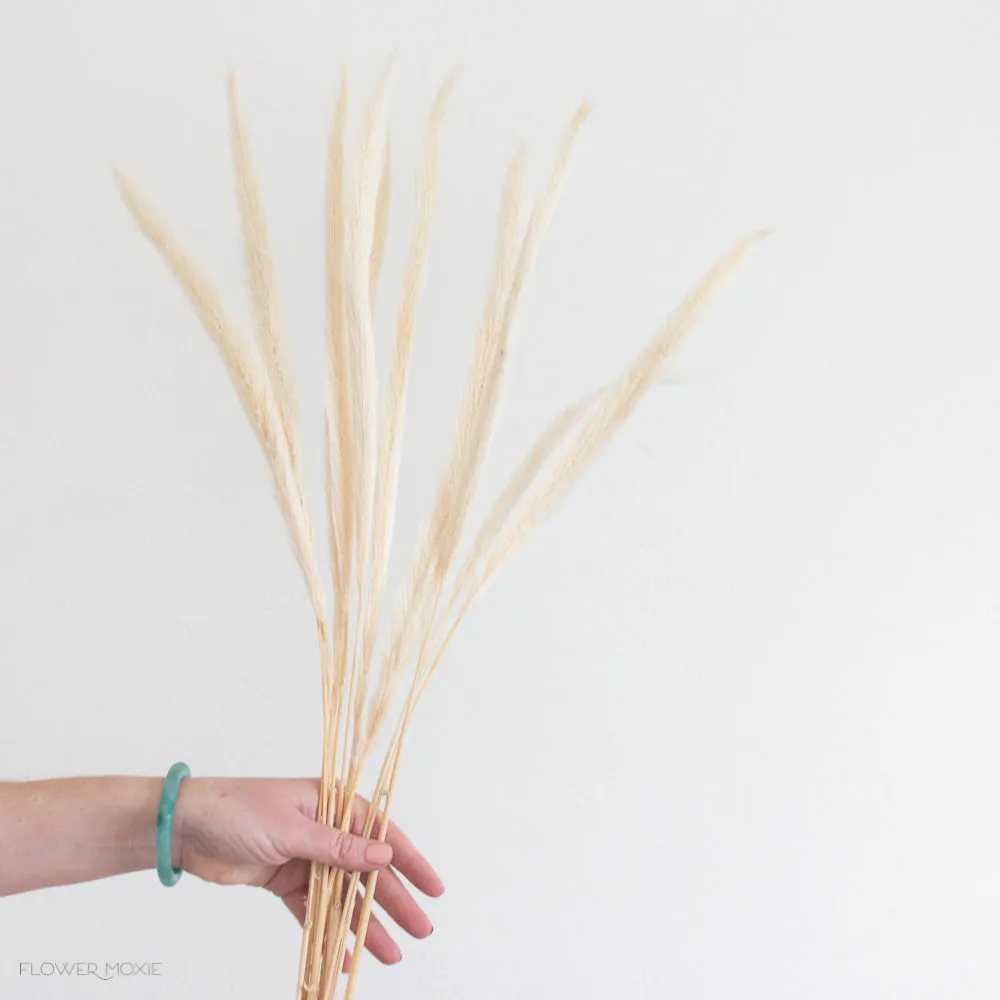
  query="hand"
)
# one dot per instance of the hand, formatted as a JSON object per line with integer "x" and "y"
{"x": 263, "y": 832}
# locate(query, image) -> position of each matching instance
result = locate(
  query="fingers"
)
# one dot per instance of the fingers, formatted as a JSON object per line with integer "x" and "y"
{"x": 291, "y": 884}
{"x": 317, "y": 842}
{"x": 377, "y": 939}
{"x": 395, "y": 899}
{"x": 408, "y": 861}
{"x": 405, "y": 857}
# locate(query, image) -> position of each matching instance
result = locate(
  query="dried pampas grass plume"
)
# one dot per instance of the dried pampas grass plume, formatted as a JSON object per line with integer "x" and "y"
{"x": 363, "y": 434}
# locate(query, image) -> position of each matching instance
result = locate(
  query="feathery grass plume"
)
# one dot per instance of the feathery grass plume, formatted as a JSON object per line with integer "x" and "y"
{"x": 550, "y": 440}
{"x": 479, "y": 409}
{"x": 340, "y": 450}
{"x": 260, "y": 273}
{"x": 249, "y": 377}
{"x": 360, "y": 220}
{"x": 416, "y": 600}
{"x": 362, "y": 193}
{"x": 479, "y": 417}
{"x": 525, "y": 502}
{"x": 387, "y": 474}
{"x": 613, "y": 405}
{"x": 361, "y": 458}
{"x": 381, "y": 235}
{"x": 614, "y": 408}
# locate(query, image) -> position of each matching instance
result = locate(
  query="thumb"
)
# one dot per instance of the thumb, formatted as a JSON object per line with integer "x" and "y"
{"x": 327, "y": 845}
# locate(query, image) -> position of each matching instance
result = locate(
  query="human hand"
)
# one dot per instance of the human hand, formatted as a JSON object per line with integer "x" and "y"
{"x": 263, "y": 832}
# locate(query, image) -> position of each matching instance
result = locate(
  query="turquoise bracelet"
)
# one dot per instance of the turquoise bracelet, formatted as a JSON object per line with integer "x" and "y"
{"x": 169, "y": 875}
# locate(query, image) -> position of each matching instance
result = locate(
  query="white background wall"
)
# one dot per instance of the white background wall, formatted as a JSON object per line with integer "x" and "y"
{"x": 726, "y": 727}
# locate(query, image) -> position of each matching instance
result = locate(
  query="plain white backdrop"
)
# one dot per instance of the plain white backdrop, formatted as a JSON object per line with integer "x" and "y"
{"x": 726, "y": 727}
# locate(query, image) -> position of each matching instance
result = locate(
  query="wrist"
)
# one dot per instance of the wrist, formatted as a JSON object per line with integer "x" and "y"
{"x": 185, "y": 811}
{"x": 137, "y": 800}
{"x": 117, "y": 812}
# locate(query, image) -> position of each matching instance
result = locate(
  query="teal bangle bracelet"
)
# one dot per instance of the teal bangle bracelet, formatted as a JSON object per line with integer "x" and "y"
{"x": 169, "y": 875}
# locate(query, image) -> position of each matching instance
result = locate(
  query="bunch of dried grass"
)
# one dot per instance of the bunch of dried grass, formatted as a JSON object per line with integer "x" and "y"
{"x": 362, "y": 445}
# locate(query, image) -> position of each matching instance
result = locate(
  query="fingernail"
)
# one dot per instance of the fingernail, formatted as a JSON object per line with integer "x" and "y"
{"x": 378, "y": 854}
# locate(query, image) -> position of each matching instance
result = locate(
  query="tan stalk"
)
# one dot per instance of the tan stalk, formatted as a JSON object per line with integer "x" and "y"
{"x": 394, "y": 753}
{"x": 340, "y": 461}
{"x": 360, "y": 197}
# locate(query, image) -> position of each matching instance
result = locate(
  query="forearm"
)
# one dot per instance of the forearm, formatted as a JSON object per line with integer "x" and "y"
{"x": 70, "y": 830}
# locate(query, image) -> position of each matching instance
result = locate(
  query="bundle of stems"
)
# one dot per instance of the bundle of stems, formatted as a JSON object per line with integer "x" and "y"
{"x": 362, "y": 693}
